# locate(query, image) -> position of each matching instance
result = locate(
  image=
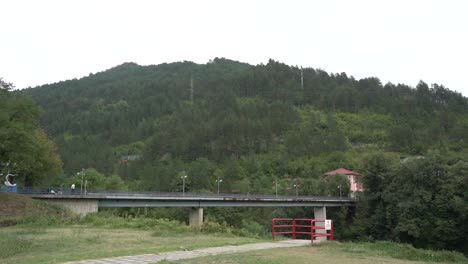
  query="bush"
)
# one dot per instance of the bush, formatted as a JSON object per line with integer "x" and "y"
{"x": 212, "y": 227}
{"x": 253, "y": 229}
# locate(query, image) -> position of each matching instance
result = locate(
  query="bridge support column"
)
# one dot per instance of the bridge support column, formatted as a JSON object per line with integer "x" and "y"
{"x": 77, "y": 206}
{"x": 196, "y": 217}
{"x": 320, "y": 213}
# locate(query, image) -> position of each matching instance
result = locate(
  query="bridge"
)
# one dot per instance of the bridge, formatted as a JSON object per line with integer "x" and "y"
{"x": 91, "y": 201}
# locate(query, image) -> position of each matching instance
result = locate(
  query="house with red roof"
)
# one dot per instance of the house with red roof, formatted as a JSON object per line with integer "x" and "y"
{"x": 355, "y": 186}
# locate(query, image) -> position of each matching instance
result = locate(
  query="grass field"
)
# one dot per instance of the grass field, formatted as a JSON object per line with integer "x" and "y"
{"x": 45, "y": 244}
{"x": 36, "y": 232}
{"x": 58, "y": 244}
{"x": 300, "y": 255}
{"x": 333, "y": 253}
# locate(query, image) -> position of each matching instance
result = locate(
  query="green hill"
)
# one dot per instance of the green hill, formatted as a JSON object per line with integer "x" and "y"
{"x": 240, "y": 110}
{"x": 16, "y": 207}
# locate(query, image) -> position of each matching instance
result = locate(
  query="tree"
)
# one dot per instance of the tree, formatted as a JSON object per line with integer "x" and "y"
{"x": 45, "y": 163}
{"x": 200, "y": 172}
{"x": 424, "y": 198}
{"x": 336, "y": 185}
{"x": 6, "y": 86}
{"x": 376, "y": 173}
{"x": 23, "y": 145}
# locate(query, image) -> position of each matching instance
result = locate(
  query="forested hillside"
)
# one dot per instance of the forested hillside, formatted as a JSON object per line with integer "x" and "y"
{"x": 141, "y": 127}
{"x": 241, "y": 112}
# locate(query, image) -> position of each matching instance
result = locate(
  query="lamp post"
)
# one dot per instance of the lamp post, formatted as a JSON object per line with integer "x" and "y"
{"x": 276, "y": 187}
{"x": 183, "y": 177}
{"x": 218, "y": 181}
{"x": 82, "y": 176}
{"x": 296, "y": 185}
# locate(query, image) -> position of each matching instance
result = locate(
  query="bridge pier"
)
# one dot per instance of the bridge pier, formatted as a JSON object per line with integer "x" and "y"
{"x": 196, "y": 217}
{"x": 77, "y": 206}
{"x": 320, "y": 213}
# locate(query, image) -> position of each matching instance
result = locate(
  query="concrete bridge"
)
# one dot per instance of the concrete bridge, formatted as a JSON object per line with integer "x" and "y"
{"x": 83, "y": 204}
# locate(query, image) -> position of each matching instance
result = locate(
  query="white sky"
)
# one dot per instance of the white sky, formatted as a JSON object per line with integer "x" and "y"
{"x": 399, "y": 41}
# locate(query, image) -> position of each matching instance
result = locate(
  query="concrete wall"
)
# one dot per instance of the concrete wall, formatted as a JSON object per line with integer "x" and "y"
{"x": 196, "y": 217}
{"x": 81, "y": 207}
{"x": 320, "y": 213}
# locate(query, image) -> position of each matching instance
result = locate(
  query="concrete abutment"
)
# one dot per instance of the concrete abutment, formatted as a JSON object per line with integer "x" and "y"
{"x": 81, "y": 207}
{"x": 320, "y": 213}
{"x": 196, "y": 217}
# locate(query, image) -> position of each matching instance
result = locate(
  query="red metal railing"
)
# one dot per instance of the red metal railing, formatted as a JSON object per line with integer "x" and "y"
{"x": 305, "y": 226}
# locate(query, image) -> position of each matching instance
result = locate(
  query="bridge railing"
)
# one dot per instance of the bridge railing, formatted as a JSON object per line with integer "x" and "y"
{"x": 91, "y": 192}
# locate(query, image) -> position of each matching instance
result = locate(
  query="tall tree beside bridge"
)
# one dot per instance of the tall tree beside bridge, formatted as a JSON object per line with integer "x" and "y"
{"x": 418, "y": 201}
{"x": 24, "y": 147}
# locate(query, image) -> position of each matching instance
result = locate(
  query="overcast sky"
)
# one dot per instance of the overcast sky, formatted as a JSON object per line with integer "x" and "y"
{"x": 398, "y": 41}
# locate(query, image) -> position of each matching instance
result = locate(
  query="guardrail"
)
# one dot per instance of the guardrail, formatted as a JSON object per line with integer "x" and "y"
{"x": 305, "y": 226}
{"x": 67, "y": 192}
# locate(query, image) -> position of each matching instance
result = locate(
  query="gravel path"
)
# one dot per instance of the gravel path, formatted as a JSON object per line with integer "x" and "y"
{"x": 176, "y": 255}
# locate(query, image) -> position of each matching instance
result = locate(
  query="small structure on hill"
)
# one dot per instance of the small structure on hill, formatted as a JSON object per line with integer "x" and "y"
{"x": 355, "y": 186}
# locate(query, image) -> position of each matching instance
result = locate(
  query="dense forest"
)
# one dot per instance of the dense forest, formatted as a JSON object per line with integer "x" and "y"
{"x": 265, "y": 126}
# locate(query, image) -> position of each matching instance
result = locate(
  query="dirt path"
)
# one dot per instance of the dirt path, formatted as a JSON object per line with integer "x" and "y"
{"x": 176, "y": 255}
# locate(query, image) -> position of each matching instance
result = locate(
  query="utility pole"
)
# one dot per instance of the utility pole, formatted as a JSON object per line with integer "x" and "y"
{"x": 302, "y": 78}
{"x": 191, "y": 89}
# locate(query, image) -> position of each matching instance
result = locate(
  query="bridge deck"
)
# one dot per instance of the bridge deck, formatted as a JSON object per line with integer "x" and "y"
{"x": 158, "y": 199}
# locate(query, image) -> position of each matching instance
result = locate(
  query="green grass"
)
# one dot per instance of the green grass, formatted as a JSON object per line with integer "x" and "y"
{"x": 26, "y": 244}
{"x": 398, "y": 251}
{"x": 15, "y": 208}
{"x": 328, "y": 253}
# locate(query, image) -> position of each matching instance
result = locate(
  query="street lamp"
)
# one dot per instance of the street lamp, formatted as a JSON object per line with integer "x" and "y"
{"x": 82, "y": 176}
{"x": 340, "y": 186}
{"x": 183, "y": 177}
{"x": 276, "y": 187}
{"x": 296, "y": 185}
{"x": 218, "y": 181}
